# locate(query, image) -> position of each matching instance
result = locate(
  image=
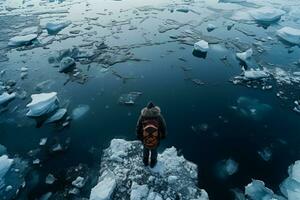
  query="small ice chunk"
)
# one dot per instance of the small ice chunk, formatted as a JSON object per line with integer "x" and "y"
{"x": 266, "y": 14}
{"x": 66, "y": 63}
{"x": 22, "y": 40}
{"x": 118, "y": 149}
{"x": 211, "y": 27}
{"x": 5, "y": 164}
{"x": 78, "y": 182}
{"x": 43, "y": 141}
{"x": 138, "y": 192}
{"x": 105, "y": 187}
{"x": 289, "y": 34}
{"x": 257, "y": 190}
{"x": 265, "y": 154}
{"x": 245, "y": 56}
{"x": 50, "y": 179}
{"x": 256, "y": 74}
{"x": 42, "y": 104}
{"x": 80, "y": 111}
{"x": 55, "y": 27}
{"x": 57, "y": 116}
{"x": 290, "y": 187}
{"x": 5, "y": 97}
{"x": 202, "y": 46}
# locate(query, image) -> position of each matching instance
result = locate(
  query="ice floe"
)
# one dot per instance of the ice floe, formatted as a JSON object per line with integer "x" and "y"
{"x": 202, "y": 46}
{"x": 266, "y": 14}
{"x": 105, "y": 187}
{"x": 256, "y": 74}
{"x": 5, "y": 97}
{"x": 43, "y": 103}
{"x": 22, "y": 40}
{"x": 245, "y": 56}
{"x": 290, "y": 187}
{"x": 289, "y": 34}
{"x": 55, "y": 27}
{"x": 123, "y": 175}
{"x": 256, "y": 190}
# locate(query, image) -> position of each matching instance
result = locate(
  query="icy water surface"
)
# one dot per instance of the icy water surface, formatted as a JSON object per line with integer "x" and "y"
{"x": 213, "y": 114}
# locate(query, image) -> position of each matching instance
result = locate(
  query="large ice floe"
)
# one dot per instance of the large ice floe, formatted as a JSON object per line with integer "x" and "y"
{"x": 266, "y": 14}
{"x": 289, "y": 34}
{"x": 42, "y": 104}
{"x": 124, "y": 176}
{"x": 22, "y": 40}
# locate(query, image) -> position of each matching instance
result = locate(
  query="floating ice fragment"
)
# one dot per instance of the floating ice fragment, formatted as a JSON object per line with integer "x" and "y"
{"x": 290, "y": 187}
{"x": 266, "y": 14}
{"x": 43, "y": 141}
{"x": 66, "y": 63}
{"x": 256, "y": 74}
{"x": 257, "y": 190}
{"x": 245, "y": 56}
{"x": 105, "y": 187}
{"x": 55, "y": 27}
{"x": 80, "y": 111}
{"x": 57, "y": 115}
{"x": 5, "y": 97}
{"x": 202, "y": 46}
{"x": 79, "y": 182}
{"x": 226, "y": 168}
{"x": 138, "y": 192}
{"x": 22, "y": 40}
{"x": 289, "y": 34}
{"x": 42, "y": 104}
{"x": 5, "y": 164}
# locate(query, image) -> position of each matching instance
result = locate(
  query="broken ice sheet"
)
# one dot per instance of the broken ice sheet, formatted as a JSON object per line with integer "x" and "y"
{"x": 130, "y": 98}
{"x": 266, "y": 14}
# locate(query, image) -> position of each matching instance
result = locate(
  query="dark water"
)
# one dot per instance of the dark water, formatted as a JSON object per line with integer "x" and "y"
{"x": 184, "y": 104}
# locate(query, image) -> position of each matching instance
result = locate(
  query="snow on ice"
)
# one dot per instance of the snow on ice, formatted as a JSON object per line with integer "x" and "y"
{"x": 202, "y": 46}
{"x": 289, "y": 34}
{"x": 43, "y": 103}
{"x": 123, "y": 175}
{"x": 266, "y": 14}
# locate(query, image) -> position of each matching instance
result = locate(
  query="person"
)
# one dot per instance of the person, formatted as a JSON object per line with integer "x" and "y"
{"x": 150, "y": 129}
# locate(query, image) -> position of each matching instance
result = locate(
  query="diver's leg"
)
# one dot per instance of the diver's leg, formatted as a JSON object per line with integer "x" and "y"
{"x": 146, "y": 156}
{"x": 153, "y": 157}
